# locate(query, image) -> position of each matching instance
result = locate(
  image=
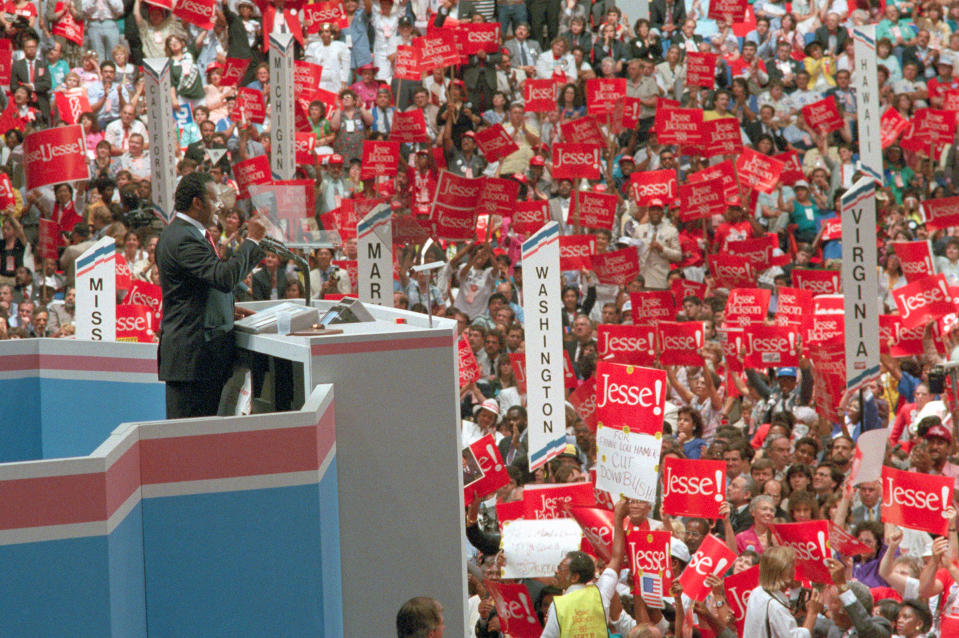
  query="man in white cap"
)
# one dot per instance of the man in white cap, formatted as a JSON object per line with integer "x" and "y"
{"x": 660, "y": 246}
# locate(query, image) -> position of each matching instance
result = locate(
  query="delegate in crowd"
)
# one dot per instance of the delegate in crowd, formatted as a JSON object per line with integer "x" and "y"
{"x": 786, "y": 459}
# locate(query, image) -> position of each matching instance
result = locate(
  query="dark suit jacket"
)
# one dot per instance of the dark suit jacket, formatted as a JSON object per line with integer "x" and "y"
{"x": 196, "y": 333}
{"x": 657, "y": 14}
{"x": 754, "y": 130}
{"x": 599, "y": 52}
{"x": 772, "y": 69}
{"x": 42, "y": 83}
{"x": 263, "y": 284}
{"x": 822, "y": 37}
{"x": 910, "y": 54}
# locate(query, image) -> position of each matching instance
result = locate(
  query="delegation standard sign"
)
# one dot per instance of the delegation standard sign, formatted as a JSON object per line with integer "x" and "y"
{"x": 860, "y": 284}
{"x": 544, "y": 346}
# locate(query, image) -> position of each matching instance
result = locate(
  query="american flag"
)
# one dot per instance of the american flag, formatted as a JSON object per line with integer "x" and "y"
{"x": 651, "y": 590}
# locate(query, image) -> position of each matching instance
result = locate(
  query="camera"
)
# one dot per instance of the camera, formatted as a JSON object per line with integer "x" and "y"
{"x": 936, "y": 379}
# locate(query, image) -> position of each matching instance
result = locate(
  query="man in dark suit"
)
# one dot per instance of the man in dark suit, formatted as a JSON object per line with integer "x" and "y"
{"x": 196, "y": 339}
{"x": 831, "y": 36}
{"x": 667, "y": 17}
{"x": 850, "y": 608}
{"x": 766, "y": 125}
{"x": 269, "y": 282}
{"x": 32, "y": 73}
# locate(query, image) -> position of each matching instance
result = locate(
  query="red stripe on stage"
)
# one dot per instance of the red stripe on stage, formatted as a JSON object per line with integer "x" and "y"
{"x": 379, "y": 345}
{"x": 19, "y": 362}
{"x": 76, "y": 362}
{"x": 228, "y": 455}
{"x": 97, "y": 364}
{"x": 53, "y": 500}
{"x": 123, "y": 478}
{"x": 83, "y": 498}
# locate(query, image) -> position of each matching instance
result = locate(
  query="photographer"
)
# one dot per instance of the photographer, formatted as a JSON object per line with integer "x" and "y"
{"x": 768, "y": 613}
{"x": 326, "y": 278}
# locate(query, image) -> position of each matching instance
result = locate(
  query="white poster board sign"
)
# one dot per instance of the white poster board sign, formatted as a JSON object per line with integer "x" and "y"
{"x": 533, "y": 549}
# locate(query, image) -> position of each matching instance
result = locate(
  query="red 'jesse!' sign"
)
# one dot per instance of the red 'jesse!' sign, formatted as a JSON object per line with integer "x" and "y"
{"x": 738, "y": 589}
{"x": 649, "y": 185}
{"x": 632, "y": 345}
{"x": 483, "y": 469}
{"x": 572, "y": 161}
{"x": 630, "y": 396}
{"x": 593, "y": 210}
{"x": 575, "y": 251}
{"x": 618, "y": 267}
{"x": 554, "y": 500}
{"x": 712, "y": 558}
{"x": 55, "y": 155}
{"x": 923, "y": 301}
{"x": 469, "y": 370}
{"x": 701, "y": 69}
{"x": 810, "y": 539}
{"x": 539, "y": 95}
{"x": 649, "y": 553}
{"x": 514, "y": 609}
{"x": 823, "y": 115}
{"x": 693, "y": 488}
{"x": 680, "y": 342}
{"x": 651, "y": 306}
{"x": 597, "y": 526}
{"x": 495, "y": 142}
{"x": 916, "y": 501}
{"x": 759, "y": 171}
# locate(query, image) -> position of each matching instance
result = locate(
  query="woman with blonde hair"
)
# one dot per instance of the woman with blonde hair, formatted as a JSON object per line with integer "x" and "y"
{"x": 768, "y": 614}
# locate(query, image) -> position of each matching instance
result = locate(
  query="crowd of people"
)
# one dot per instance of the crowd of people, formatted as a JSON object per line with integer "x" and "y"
{"x": 786, "y": 459}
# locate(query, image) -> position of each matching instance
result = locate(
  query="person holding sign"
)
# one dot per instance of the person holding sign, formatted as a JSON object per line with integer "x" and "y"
{"x": 768, "y": 613}
{"x": 195, "y": 355}
{"x": 583, "y": 609}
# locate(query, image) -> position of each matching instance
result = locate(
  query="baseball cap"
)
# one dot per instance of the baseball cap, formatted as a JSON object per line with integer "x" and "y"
{"x": 335, "y": 158}
{"x": 786, "y": 372}
{"x": 946, "y": 58}
{"x": 405, "y": 22}
{"x": 536, "y": 160}
{"x": 678, "y": 549}
{"x": 471, "y": 134}
{"x": 801, "y": 183}
{"x": 656, "y": 203}
{"x": 733, "y": 201}
{"x": 569, "y": 450}
{"x": 626, "y": 158}
{"x": 939, "y": 432}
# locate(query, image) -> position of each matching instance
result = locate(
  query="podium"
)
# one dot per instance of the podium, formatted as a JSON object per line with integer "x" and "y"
{"x": 319, "y": 516}
{"x": 398, "y": 460}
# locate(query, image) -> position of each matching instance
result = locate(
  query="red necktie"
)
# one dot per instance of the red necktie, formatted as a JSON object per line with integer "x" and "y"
{"x": 30, "y": 67}
{"x": 216, "y": 249}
